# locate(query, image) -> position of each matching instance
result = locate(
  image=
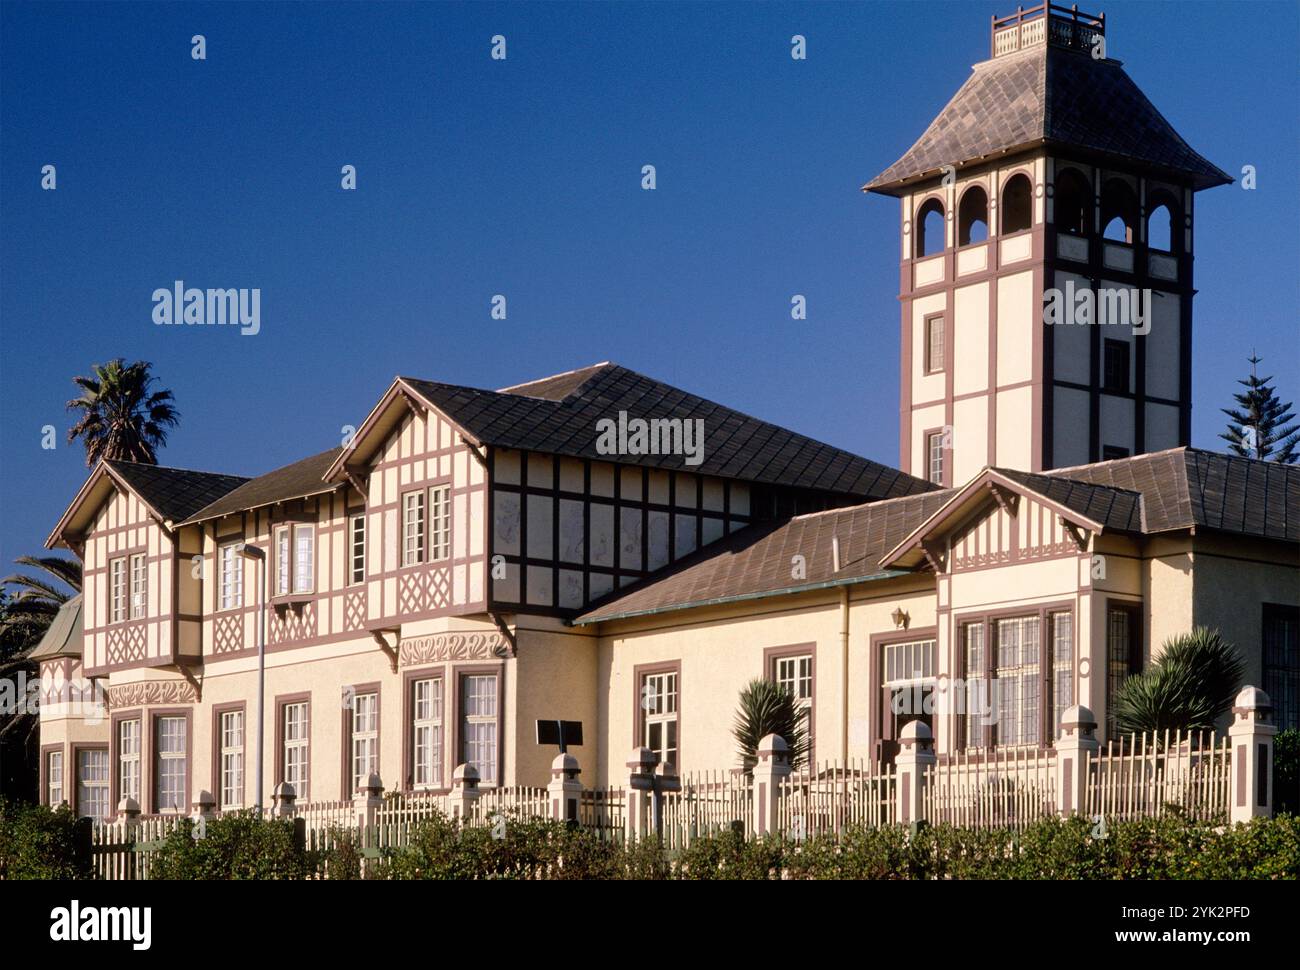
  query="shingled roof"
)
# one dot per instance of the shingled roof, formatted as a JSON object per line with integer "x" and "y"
{"x": 62, "y": 638}
{"x": 1049, "y": 95}
{"x": 300, "y": 479}
{"x": 559, "y": 415}
{"x": 174, "y": 493}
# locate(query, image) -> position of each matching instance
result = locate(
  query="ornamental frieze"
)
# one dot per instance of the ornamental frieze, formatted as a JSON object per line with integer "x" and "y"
{"x": 445, "y": 647}
{"x": 152, "y": 692}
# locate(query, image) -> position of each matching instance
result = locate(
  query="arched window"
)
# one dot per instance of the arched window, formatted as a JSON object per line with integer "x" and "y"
{"x": 1162, "y": 227}
{"x": 1072, "y": 203}
{"x": 973, "y": 217}
{"x": 1017, "y": 204}
{"x": 1119, "y": 212}
{"x": 929, "y": 228}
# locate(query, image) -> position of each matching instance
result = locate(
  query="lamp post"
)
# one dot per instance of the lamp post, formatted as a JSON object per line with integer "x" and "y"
{"x": 259, "y": 555}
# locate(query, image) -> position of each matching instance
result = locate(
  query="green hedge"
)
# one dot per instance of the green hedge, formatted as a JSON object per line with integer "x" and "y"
{"x": 1286, "y": 772}
{"x": 238, "y": 846}
{"x": 39, "y": 843}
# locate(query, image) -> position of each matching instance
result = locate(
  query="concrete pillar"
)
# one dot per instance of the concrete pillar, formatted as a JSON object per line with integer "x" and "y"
{"x": 368, "y": 800}
{"x": 282, "y": 798}
{"x": 565, "y": 791}
{"x": 464, "y": 792}
{"x": 640, "y": 784}
{"x": 1074, "y": 748}
{"x": 205, "y": 806}
{"x": 771, "y": 771}
{"x": 1251, "y": 736}
{"x": 912, "y": 765}
{"x": 128, "y": 810}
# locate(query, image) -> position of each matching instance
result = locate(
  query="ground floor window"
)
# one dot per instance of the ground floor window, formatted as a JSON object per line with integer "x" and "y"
{"x": 478, "y": 727}
{"x": 92, "y": 782}
{"x": 171, "y": 793}
{"x": 426, "y": 733}
{"x": 1016, "y": 672}
{"x": 365, "y": 739}
{"x": 128, "y": 759}
{"x": 909, "y": 681}
{"x": 1062, "y": 684}
{"x": 1282, "y": 663}
{"x": 54, "y": 779}
{"x": 978, "y": 714}
{"x": 1123, "y": 653}
{"x": 231, "y": 759}
{"x": 658, "y": 697}
{"x": 295, "y": 728}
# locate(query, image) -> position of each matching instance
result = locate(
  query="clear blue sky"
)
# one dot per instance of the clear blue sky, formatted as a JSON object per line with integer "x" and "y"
{"x": 522, "y": 177}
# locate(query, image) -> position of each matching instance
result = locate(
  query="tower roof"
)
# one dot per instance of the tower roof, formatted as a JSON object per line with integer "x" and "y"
{"x": 1044, "y": 87}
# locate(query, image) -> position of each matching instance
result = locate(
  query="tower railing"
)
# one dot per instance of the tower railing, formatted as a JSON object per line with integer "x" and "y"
{"x": 1045, "y": 23}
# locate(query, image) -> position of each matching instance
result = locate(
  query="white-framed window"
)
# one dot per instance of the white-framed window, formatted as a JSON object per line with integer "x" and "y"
{"x": 1062, "y": 667}
{"x": 909, "y": 668}
{"x": 139, "y": 586}
{"x": 479, "y": 724}
{"x": 232, "y": 577}
{"x": 412, "y": 528}
{"x": 92, "y": 783}
{"x": 304, "y": 558}
{"x": 170, "y": 764}
{"x": 978, "y": 699}
{"x": 117, "y": 587}
{"x": 1017, "y": 679}
{"x": 365, "y": 738}
{"x": 283, "y": 560}
{"x": 296, "y": 737}
{"x": 357, "y": 533}
{"x": 934, "y": 361}
{"x": 128, "y": 759}
{"x": 426, "y": 733}
{"x": 658, "y": 697}
{"x": 934, "y": 457}
{"x": 232, "y": 759}
{"x": 439, "y": 522}
{"x": 54, "y": 779}
{"x": 794, "y": 673}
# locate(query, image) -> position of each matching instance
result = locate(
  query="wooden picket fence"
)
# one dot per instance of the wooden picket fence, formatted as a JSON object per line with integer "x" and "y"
{"x": 992, "y": 789}
{"x": 829, "y": 797}
{"x": 1146, "y": 776}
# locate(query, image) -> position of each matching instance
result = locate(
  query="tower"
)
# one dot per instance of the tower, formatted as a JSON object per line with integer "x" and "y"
{"x": 1046, "y": 264}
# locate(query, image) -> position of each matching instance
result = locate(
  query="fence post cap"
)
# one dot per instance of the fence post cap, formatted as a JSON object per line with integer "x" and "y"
{"x": 373, "y": 786}
{"x": 282, "y": 791}
{"x": 916, "y": 733}
{"x": 565, "y": 765}
{"x": 465, "y": 776}
{"x": 642, "y": 761}
{"x": 204, "y": 801}
{"x": 1252, "y": 700}
{"x": 1078, "y": 719}
{"x": 773, "y": 747}
{"x": 129, "y": 807}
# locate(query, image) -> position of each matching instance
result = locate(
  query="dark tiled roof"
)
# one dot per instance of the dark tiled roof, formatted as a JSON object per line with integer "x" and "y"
{"x": 175, "y": 492}
{"x": 1112, "y": 508}
{"x": 1049, "y": 95}
{"x": 301, "y": 479}
{"x": 559, "y": 415}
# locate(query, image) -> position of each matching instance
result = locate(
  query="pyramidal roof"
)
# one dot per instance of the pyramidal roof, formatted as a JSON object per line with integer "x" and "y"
{"x": 1049, "y": 91}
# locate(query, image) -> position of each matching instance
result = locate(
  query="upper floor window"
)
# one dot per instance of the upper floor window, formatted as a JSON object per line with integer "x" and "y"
{"x": 440, "y": 522}
{"x": 1119, "y": 211}
{"x": 1113, "y": 452}
{"x": 929, "y": 228}
{"x": 413, "y": 528}
{"x": 357, "y": 564}
{"x": 1072, "y": 203}
{"x": 973, "y": 216}
{"x": 117, "y": 586}
{"x": 232, "y": 577}
{"x": 1162, "y": 231}
{"x": 934, "y": 457}
{"x": 283, "y": 560}
{"x": 304, "y": 558}
{"x": 139, "y": 586}
{"x": 1017, "y": 204}
{"x": 934, "y": 355}
{"x": 1115, "y": 367}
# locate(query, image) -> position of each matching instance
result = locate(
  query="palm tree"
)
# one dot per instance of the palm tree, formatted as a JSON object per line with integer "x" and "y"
{"x": 1189, "y": 687}
{"x": 767, "y": 707}
{"x": 120, "y": 417}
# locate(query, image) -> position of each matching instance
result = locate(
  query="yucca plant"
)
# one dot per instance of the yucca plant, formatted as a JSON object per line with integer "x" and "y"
{"x": 1189, "y": 687}
{"x": 767, "y": 707}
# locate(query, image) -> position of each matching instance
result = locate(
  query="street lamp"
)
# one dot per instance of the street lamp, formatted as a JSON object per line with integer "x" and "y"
{"x": 259, "y": 555}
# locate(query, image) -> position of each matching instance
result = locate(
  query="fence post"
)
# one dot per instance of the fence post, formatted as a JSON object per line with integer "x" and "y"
{"x": 205, "y": 806}
{"x": 1076, "y": 745}
{"x": 1252, "y": 755}
{"x": 640, "y": 783}
{"x": 367, "y": 802}
{"x": 565, "y": 791}
{"x": 83, "y": 844}
{"x": 128, "y": 810}
{"x": 772, "y": 769}
{"x": 464, "y": 792}
{"x": 913, "y": 762}
{"x": 283, "y": 799}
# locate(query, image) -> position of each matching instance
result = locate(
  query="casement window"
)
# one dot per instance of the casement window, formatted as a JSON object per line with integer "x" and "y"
{"x": 478, "y": 726}
{"x": 294, "y": 755}
{"x": 1281, "y": 638}
{"x": 139, "y": 586}
{"x": 1016, "y": 678}
{"x": 1115, "y": 367}
{"x": 357, "y": 534}
{"x": 304, "y": 558}
{"x": 92, "y": 783}
{"x": 232, "y": 577}
{"x": 439, "y": 522}
{"x": 365, "y": 739}
{"x": 426, "y": 733}
{"x": 659, "y": 716}
{"x": 283, "y": 560}
{"x": 54, "y": 779}
{"x": 934, "y": 348}
{"x": 794, "y": 673}
{"x": 230, "y": 760}
{"x": 117, "y": 587}
{"x": 128, "y": 759}
{"x": 934, "y": 457}
{"x": 909, "y": 681}
{"x": 412, "y": 528}
{"x": 171, "y": 751}
{"x": 979, "y": 700}
{"x": 1062, "y": 683}
{"x": 1123, "y": 653}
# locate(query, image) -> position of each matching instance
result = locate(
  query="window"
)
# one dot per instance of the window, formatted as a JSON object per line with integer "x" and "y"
{"x": 139, "y": 586}
{"x": 929, "y": 228}
{"x": 1016, "y": 680}
{"x": 296, "y": 738}
{"x": 933, "y": 345}
{"x": 231, "y": 759}
{"x": 1282, "y": 663}
{"x": 1113, "y": 452}
{"x": 426, "y": 739}
{"x": 232, "y": 577}
{"x": 128, "y": 759}
{"x": 795, "y": 675}
{"x": 1123, "y": 654}
{"x": 1119, "y": 211}
{"x": 440, "y": 520}
{"x": 1072, "y": 203}
{"x": 479, "y": 724}
{"x": 1062, "y": 686}
{"x": 978, "y": 701}
{"x": 909, "y": 681}
{"x": 973, "y": 217}
{"x": 365, "y": 739}
{"x": 92, "y": 782}
{"x": 357, "y": 531}
{"x": 934, "y": 457}
{"x": 658, "y": 697}
{"x": 170, "y": 789}
{"x": 117, "y": 583}
{"x": 1017, "y": 204}
{"x": 304, "y": 545}
{"x": 1161, "y": 231}
{"x": 283, "y": 559}
{"x": 1115, "y": 367}
{"x": 54, "y": 779}
{"x": 412, "y": 528}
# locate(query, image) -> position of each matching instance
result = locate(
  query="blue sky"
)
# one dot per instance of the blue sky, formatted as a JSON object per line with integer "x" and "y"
{"x": 522, "y": 177}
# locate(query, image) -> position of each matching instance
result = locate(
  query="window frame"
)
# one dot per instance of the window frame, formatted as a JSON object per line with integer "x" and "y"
{"x": 437, "y": 542}
{"x": 1136, "y": 654}
{"x": 928, "y": 323}
{"x": 459, "y": 675}
{"x": 156, "y": 717}
{"x": 927, "y": 436}
{"x": 1284, "y": 716}
{"x": 117, "y": 721}
{"x": 414, "y": 541}
{"x": 356, "y": 559}
{"x": 773, "y": 657}
{"x": 883, "y": 722}
{"x": 282, "y": 703}
{"x": 639, "y": 717}
{"x": 48, "y": 751}
{"x": 140, "y": 577}
{"x": 118, "y": 589}
{"x": 1121, "y": 349}
{"x": 237, "y": 573}
{"x": 219, "y": 750}
{"x": 76, "y": 783}
{"x": 348, "y": 781}
{"x": 438, "y": 676}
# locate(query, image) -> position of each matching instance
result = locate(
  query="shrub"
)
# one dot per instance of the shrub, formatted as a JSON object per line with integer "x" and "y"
{"x": 237, "y": 846}
{"x": 39, "y": 843}
{"x": 1286, "y": 771}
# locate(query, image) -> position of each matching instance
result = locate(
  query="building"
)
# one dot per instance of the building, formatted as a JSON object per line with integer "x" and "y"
{"x": 474, "y": 561}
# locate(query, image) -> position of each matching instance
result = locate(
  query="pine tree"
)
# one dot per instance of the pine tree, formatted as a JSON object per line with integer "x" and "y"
{"x": 1258, "y": 427}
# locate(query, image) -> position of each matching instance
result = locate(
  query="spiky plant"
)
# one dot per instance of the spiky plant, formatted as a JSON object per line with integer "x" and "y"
{"x": 767, "y": 707}
{"x": 1188, "y": 688}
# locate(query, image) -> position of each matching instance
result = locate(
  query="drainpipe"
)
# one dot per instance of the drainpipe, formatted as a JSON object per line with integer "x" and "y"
{"x": 844, "y": 671}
